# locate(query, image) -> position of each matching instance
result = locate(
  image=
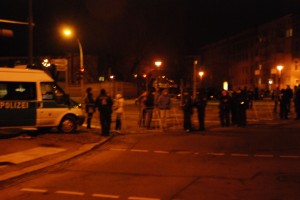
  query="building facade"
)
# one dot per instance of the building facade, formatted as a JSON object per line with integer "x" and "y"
{"x": 251, "y": 58}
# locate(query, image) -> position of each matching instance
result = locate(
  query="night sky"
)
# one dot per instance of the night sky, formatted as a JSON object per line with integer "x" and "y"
{"x": 138, "y": 29}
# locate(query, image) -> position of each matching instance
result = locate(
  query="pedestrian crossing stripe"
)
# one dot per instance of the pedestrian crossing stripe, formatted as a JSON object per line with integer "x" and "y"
{"x": 30, "y": 154}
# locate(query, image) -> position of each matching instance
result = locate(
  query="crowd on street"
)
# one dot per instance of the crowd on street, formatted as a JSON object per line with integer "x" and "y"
{"x": 232, "y": 106}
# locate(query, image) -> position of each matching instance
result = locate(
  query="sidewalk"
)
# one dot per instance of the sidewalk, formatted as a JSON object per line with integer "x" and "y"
{"x": 26, "y": 152}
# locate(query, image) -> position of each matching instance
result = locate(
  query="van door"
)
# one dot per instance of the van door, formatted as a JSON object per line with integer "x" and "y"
{"x": 17, "y": 104}
{"x": 52, "y": 106}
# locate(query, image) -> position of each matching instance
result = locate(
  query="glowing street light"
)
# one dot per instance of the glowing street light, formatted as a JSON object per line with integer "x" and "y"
{"x": 279, "y": 68}
{"x": 69, "y": 33}
{"x": 201, "y": 73}
{"x": 158, "y": 64}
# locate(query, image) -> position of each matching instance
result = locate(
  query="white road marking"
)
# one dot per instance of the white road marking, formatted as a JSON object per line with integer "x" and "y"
{"x": 113, "y": 149}
{"x": 30, "y": 154}
{"x": 33, "y": 190}
{"x": 183, "y": 152}
{"x": 70, "y": 192}
{"x": 239, "y": 155}
{"x": 140, "y": 150}
{"x": 264, "y": 155}
{"x": 142, "y": 198}
{"x": 209, "y": 153}
{"x": 284, "y": 156}
{"x": 106, "y": 196}
{"x": 216, "y": 154}
{"x": 162, "y": 152}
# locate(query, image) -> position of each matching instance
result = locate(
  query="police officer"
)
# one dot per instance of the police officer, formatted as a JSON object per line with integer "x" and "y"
{"x": 89, "y": 106}
{"x": 104, "y": 104}
{"x": 224, "y": 106}
{"x": 241, "y": 107}
{"x": 200, "y": 104}
{"x": 187, "y": 107}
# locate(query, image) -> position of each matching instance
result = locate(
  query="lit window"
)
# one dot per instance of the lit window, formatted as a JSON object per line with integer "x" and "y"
{"x": 289, "y": 33}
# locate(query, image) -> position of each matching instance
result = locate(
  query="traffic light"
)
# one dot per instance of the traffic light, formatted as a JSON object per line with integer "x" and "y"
{"x": 79, "y": 75}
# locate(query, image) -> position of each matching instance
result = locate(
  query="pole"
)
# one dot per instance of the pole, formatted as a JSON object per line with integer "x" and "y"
{"x": 81, "y": 67}
{"x": 195, "y": 79}
{"x": 30, "y": 33}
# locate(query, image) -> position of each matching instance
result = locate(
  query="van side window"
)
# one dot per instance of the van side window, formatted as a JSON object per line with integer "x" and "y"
{"x": 17, "y": 91}
{"x": 50, "y": 91}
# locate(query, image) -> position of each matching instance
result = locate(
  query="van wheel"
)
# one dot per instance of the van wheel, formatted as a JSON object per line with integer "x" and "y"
{"x": 68, "y": 124}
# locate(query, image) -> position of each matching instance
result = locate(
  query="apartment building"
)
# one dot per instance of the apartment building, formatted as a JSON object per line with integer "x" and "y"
{"x": 251, "y": 58}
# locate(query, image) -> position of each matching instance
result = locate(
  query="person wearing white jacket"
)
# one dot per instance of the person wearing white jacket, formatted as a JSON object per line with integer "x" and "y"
{"x": 119, "y": 109}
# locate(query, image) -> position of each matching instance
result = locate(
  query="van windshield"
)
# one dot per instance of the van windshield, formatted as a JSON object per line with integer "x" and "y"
{"x": 51, "y": 91}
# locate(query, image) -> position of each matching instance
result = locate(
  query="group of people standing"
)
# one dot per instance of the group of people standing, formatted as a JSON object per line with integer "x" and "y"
{"x": 148, "y": 101}
{"x": 105, "y": 105}
{"x": 284, "y": 97}
{"x": 233, "y": 107}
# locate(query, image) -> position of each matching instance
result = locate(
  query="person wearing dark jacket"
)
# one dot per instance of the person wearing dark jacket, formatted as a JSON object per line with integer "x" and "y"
{"x": 104, "y": 104}
{"x": 187, "y": 107}
{"x": 149, "y": 106}
{"x": 241, "y": 107}
{"x": 224, "y": 107}
{"x": 297, "y": 102}
{"x": 89, "y": 106}
{"x": 283, "y": 102}
{"x": 200, "y": 104}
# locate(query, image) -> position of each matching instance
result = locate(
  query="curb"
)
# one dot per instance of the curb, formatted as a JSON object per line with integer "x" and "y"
{"x": 83, "y": 149}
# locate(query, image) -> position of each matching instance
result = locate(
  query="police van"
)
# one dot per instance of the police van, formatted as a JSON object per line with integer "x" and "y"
{"x": 31, "y": 98}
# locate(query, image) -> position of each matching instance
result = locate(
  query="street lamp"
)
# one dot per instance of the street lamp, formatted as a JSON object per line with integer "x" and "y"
{"x": 201, "y": 73}
{"x": 69, "y": 33}
{"x": 158, "y": 64}
{"x": 279, "y": 68}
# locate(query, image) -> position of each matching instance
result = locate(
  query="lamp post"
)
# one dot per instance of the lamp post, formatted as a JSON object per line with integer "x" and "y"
{"x": 68, "y": 33}
{"x": 279, "y": 68}
{"x": 201, "y": 73}
{"x": 158, "y": 64}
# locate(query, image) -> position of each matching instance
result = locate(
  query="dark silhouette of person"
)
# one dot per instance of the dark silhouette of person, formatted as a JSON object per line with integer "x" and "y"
{"x": 224, "y": 107}
{"x": 200, "y": 103}
{"x": 104, "y": 104}
{"x": 89, "y": 106}
{"x": 187, "y": 107}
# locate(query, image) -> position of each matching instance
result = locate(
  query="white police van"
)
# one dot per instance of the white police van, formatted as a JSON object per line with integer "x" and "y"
{"x": 31, "y": 98}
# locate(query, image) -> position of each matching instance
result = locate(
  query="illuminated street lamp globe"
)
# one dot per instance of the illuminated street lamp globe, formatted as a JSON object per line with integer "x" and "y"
{"x": 201, "y": 73}
{"x": 157, "y": 63}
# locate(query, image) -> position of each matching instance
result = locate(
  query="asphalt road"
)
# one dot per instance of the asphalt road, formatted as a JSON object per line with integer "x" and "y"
{"x": 261, "y": 161}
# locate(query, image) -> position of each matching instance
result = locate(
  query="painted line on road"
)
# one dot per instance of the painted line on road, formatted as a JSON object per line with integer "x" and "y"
{"x": 113, "y": 149}
{"x": 106, "y": 196}
{"x": 142, "y": 198}
{"x": 34, "y": 190}
{"x": 183, "y": 152}
{"x": 70, "y": 192}
{"x": 285, "y": 156}
{"x": 216, "y": 154}
{"x": 161, "y": 152}
{"x": 239, "y": 155}
{"x": 140, "y": 150}
{"x": 30, "y": 154}
{"x": 264, "y": 155}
